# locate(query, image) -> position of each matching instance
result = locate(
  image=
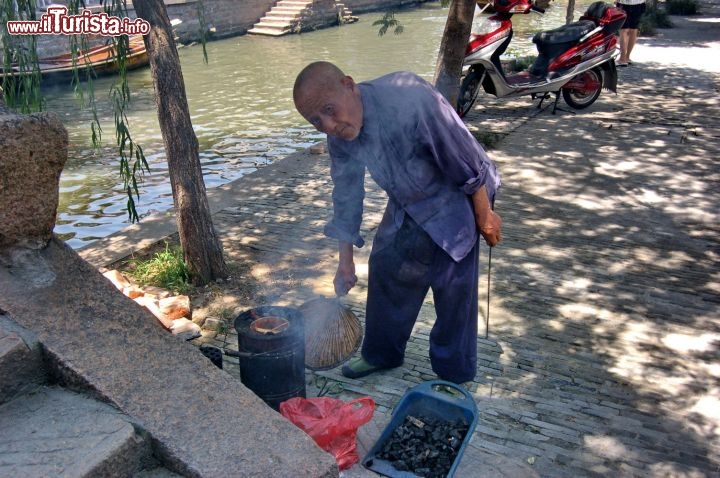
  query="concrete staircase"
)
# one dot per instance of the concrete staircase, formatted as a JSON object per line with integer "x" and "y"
{"x": 295, "y": 16}
{"x": 51, "y": 431}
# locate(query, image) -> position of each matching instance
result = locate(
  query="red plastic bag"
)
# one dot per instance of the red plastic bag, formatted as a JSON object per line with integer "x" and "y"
{"x": 332, "y": 423}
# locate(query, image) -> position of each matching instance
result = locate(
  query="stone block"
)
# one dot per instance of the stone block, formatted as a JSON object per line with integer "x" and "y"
{"x": 175, "y": 307}
{"x": 118, "y": 279}
{"x": 33, "y": 151}
{"x": 55, "y": 432}
{"x": 185, "y": 329}
{"x": 212, "y": 323}
{"x": 21, "y": 365}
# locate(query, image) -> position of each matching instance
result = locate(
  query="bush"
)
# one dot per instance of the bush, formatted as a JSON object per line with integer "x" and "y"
{"x": 488, "y": 139}
{"x": 654, "y": 18}
{"x": 165, "y": 269}
{"x": 681, "y": 7}
{"x": 524, "y": 62}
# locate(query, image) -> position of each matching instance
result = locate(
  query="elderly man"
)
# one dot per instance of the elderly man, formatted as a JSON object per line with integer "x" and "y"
{"x": 440, "y": 186}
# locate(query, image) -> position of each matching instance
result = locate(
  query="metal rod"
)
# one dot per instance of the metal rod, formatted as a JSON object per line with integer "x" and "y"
{"x": 487, "y": 313}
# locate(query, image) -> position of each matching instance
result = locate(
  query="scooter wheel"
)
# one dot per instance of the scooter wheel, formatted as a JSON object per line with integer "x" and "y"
{"x": 583, "y": 89}
{"x": 468, "y": 92}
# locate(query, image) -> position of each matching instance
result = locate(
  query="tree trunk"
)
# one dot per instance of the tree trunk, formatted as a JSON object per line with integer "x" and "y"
{"x": 452, "y": 48}
{"x": 200, "y": 243}
{"x": 570, "y": 11}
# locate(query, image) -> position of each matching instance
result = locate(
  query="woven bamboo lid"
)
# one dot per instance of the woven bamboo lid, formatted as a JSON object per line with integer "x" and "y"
{"x": 333, "y": 333}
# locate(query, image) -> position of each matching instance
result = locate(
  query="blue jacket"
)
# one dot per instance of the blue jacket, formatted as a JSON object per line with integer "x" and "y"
{"x": 418, "y": 150}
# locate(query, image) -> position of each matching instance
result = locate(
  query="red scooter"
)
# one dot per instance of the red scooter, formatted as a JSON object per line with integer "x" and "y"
{"x": 577, "y": 59}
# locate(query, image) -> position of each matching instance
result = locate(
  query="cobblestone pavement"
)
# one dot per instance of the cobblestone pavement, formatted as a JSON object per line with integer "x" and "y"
{"x": 603, "y": 352}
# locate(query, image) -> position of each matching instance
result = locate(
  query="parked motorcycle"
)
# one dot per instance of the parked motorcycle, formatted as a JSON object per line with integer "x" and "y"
{"x": 577, "y": 59}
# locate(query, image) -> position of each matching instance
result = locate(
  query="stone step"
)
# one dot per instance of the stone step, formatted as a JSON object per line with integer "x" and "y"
{"x": 27, "y": 443}
{"x": 288, "y": 10}
{"x": 257, "y": 30}
{"x": 265, "y": 23}
{"x": 157, "y": 472}
{"x": 284, "y": 17}
{"x": 279, "y": 16}
{"x": 56, "y": 432}
{"x": 21, "y": 364}
{"x": 293, "y": 3}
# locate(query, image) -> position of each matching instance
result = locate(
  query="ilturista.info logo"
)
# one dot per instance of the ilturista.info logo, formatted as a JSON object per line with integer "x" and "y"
{"x": 57, "y": 22}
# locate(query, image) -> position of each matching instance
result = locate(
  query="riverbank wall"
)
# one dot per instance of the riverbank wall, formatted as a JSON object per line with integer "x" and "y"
{"x": 227, "y": 18}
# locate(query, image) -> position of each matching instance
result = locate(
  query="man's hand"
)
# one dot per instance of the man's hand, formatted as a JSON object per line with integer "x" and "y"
{"x": 345, "y": 278}
{"x": 487, "y": 221}
{"x": 491, "y": 228}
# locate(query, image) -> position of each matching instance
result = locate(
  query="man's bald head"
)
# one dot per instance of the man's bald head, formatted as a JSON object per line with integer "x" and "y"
{"x": 317, "y": 76}
{"x": 329, "y": 100}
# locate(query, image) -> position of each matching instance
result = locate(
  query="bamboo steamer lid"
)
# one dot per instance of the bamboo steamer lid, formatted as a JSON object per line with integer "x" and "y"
{"x": 333, "y": 333}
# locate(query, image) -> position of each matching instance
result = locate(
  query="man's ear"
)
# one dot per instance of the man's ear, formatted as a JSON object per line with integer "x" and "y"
{"x": 347, "y": 82}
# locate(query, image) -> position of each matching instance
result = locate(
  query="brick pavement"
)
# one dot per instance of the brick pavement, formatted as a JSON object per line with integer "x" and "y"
{"x": 603, "y": 354}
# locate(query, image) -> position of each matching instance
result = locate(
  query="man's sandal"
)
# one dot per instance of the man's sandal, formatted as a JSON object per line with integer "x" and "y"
{"x": 358, "y": 368}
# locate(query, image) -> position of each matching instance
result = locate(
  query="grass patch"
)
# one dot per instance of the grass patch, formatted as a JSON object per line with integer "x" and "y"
{"x": 522, "y": 63}
{"x": 166, "y": 269}
{"x": 514, "y": 64}
{"x": 487, "y": 138}
{"x": 226, "y": 315}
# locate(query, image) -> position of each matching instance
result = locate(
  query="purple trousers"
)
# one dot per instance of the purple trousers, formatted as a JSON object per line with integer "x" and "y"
{"x": 400, "y": 275}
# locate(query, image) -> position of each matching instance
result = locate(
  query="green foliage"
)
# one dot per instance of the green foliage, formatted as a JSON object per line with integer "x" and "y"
{"x": 165, "y": 269}
{"x": 225, "y": 313}
{"x": 653, "y": 18}
{"x": 226, "y": 316}
{"x": 223, "y": 328}
{"x": 681, "y": 7}
{"x": 487, "y": 138}
{"x": 132, "y": 157}
{"x": 86, "y": 93}
{"x": 20, "y": 91}
{"x": 525, "y": 62}
{"x": 388, "y": 21}
{"x": 203, "y": 29}
{"x": 520, "y": 63}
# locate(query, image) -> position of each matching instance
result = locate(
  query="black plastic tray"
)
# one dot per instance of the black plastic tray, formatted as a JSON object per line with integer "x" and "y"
{"x": 436, "y": 399}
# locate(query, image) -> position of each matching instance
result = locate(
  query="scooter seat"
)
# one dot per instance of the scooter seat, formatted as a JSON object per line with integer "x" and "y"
{"x": 569, "y": 33}
{"x": 552, "y": 43}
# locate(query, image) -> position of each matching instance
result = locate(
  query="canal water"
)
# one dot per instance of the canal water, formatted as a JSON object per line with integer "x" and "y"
{"x": 241, "y": 108}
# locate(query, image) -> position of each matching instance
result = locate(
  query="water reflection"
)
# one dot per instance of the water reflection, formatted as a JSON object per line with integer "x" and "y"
{"x": 241, "y": 109}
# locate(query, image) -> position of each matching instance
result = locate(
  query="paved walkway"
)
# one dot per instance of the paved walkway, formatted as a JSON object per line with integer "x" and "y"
{"x": 603, "y": 352}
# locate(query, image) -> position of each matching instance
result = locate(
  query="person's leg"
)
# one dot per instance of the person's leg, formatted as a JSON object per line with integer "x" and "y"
{"x": 624, "y": 41}
{"x": 629, "y": 31}
{"x": 632, "y": 35}
{"x": 453, "y": 339}
{"x": 397, "y": 286}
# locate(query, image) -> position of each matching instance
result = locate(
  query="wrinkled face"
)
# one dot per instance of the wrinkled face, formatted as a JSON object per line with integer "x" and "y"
{"x": 334, "y": 109}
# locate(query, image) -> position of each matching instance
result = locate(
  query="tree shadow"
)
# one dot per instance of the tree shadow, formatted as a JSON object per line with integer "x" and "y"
{"x": 606, "y": 287}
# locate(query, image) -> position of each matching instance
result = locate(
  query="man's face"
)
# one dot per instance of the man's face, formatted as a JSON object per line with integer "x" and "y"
{"x": 336, "y": 111}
